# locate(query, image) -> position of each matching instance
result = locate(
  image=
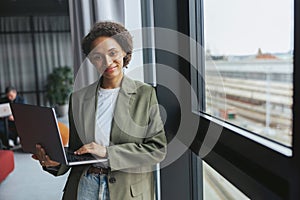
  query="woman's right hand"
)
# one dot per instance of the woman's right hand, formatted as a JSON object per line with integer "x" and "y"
{"x": 43, "y": 158}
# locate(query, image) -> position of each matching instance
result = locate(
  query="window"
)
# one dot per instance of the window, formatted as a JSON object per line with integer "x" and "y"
{"x": 255, "y": 169}
{"x": 249, "y": 88}
{"x": 215, "y": 186}
{"x": 249, "y": 65}
{"x": 31, "y": 47}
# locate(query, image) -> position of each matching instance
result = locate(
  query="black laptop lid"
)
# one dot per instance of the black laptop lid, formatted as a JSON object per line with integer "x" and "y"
{"x": 38, "y": 125}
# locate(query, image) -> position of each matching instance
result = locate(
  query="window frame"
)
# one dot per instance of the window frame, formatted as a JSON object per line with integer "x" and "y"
{"x": 255, "y": 169}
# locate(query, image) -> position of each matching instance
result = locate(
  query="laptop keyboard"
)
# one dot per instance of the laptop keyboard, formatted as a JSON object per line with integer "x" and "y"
{"x": 74, "y": 158}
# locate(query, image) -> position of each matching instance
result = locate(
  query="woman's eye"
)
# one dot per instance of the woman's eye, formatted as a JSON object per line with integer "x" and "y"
{"x": 113, "y": 53}
{"x": 97, "y": 57}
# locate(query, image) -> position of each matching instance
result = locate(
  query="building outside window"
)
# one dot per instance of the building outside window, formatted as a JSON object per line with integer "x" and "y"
{"x": 249, "y": 46}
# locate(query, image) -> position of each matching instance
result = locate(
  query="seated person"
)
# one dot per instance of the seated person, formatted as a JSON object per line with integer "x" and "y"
{"x": 11, "y": 96}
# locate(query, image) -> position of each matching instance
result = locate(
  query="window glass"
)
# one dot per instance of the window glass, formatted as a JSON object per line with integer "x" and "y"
{"x": 249, "y": 46}
{"x": 218, "y": 188}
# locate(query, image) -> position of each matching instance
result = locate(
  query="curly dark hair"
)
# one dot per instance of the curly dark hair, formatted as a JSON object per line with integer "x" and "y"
{"x": 109, "y": 29}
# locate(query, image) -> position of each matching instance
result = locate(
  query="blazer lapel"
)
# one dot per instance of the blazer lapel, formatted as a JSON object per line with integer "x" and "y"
{"x": 122, "y": 110}
{"x": 89, "y": 109}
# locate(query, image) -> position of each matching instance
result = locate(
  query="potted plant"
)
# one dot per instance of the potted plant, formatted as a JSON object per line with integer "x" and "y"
{"x": 58, "y": 88}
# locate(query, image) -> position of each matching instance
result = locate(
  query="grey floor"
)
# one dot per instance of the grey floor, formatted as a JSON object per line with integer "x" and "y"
{"x": 29, "y": 181}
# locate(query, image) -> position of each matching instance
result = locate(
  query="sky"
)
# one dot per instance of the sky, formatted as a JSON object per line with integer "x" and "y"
{"x": 240, "y": 27}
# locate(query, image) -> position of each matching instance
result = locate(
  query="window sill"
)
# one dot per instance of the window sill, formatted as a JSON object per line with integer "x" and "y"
{"x": 287, "y": 151}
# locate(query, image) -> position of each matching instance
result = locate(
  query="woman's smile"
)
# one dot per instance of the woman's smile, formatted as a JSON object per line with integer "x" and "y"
{"x": 110, "y": 69}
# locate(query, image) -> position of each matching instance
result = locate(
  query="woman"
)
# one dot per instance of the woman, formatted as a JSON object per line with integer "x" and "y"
{"x": 115, "y": 117}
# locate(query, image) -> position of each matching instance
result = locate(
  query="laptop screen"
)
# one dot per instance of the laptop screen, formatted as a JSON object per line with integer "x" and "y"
{"x": 5, "y": 110}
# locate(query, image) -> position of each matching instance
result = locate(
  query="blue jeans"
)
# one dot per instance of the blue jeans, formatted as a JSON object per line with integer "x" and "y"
{"x": 93, "y": 187}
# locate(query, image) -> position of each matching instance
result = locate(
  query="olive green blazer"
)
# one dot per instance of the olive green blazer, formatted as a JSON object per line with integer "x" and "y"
{"x": 137, "y": 139}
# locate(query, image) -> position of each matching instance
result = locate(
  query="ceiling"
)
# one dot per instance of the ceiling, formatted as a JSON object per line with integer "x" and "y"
{"x": 33, "y": 7}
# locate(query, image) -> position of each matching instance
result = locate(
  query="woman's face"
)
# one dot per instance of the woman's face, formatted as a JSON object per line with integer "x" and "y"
{"x": 107, "y": 55}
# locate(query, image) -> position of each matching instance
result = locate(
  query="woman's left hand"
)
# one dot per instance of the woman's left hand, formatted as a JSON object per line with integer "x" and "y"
{"x": 92, "y": 148}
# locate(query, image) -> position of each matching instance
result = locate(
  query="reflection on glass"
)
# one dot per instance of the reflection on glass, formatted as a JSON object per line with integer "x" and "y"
{"x": 249, "y": 44}
{"x": 218, "y": 188}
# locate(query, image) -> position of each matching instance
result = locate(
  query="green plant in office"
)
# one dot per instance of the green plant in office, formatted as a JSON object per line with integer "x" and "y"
{"x": 59, "y": 86}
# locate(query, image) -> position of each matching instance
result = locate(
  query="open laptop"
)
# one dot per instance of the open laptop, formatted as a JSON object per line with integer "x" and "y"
{"x": 5, "y": 110}
{"x": 38, "y": 125}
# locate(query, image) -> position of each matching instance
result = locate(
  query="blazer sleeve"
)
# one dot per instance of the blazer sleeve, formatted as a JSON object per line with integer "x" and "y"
{"x": 147, "y": 153}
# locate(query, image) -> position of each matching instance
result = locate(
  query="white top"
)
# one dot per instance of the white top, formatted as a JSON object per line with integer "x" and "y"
{"x": 104, "y": 114}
